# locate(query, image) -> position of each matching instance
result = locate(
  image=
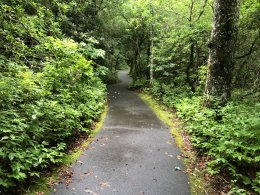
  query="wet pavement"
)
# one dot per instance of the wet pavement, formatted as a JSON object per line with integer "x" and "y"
{"x": 133, "y": 154}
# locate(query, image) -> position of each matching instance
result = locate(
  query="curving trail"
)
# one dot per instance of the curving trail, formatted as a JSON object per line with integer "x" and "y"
{"x": 133, "y": 154}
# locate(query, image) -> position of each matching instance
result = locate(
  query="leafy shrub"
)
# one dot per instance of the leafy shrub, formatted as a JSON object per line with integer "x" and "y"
{"x": 138, "y": 83}
{"x": 41, "y": 110}
{"x": 107, "y": 76}
{"x": 230, "y": 134}
{"x": 48, "y": 89}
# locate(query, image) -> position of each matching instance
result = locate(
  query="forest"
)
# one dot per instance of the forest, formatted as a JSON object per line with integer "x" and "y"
{"x": 199, "y": 58}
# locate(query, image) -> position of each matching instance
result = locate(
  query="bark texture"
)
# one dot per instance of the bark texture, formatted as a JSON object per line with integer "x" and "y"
{"x": 222, "y": 49}
{"x": 151, "y": 63}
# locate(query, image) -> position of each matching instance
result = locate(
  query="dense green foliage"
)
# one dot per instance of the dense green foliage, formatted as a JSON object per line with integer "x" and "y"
{"x": 55, "y": 56}
{"x": 49, "y": 90}
{"x": 229, "y": 135}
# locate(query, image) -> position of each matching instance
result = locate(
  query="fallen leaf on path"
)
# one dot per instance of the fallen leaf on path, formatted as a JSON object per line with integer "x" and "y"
{"x": 80, "y": 162}
{"x": 88, "y": 173}
{"x": 66, "y": 176}
{"x": 91, "y": 192}
{"x": 104, "y": 138}
{"x": 51, "y": 182}
{"x": 104, "y": 184}
{"x": 115, "y": 190}
{"x": 177, "y": 169}
{"x": 188, "y": 170}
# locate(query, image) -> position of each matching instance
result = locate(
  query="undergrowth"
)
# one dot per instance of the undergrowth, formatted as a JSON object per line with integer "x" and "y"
{"x": 48, "y": 182}
{"x": 230, "y": 135}
{"x": 50, "y": 90}
{"x": 41, "y": 110}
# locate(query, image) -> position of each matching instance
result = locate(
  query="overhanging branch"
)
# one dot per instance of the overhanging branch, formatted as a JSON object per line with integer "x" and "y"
{"x": 250, "y": 50}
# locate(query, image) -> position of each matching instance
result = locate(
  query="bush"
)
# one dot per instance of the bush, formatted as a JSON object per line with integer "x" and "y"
{"x": 106, "y": 75}
{"x": 230, "y": 134}
{"x": 41, "y": 110}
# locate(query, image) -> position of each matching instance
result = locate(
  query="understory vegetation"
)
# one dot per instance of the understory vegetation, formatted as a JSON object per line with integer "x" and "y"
{"x": 228, "y": 135}
{"x": 56, "y": 57}
{"x": 50, "y": 89}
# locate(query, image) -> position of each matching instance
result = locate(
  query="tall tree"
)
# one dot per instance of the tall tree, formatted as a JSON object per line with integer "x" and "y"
{"x": 151, "y": 44}
{"x": 222, "y": 50}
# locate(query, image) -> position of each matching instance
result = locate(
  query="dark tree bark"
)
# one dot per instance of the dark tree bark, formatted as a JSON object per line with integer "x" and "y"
{"x": 190, "y": 66}
{"x": 191, "y": 57}
{"x": 151, "y": 56}
{"x": 221, "y": 52}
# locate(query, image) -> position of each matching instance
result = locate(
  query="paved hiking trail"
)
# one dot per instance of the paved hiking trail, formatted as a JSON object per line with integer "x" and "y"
{"x": 133, "y": 154}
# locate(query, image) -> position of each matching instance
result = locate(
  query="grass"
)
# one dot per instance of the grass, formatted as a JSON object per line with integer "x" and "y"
{"x": 71, "y": 158}
{"x": 196, "y": 177}
{"x": 165, "y": 115}
{"x": 42, "y": 184}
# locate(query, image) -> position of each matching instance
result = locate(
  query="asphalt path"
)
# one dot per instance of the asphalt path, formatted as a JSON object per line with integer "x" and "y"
{"x": 133, "y": 154}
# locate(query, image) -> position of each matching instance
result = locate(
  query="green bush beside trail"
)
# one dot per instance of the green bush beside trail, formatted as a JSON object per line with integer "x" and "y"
{"x": 230, "y": 135}
{"x": 49, "y": 91}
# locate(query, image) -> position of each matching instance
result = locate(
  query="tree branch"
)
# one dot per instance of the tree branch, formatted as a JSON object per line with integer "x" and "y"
{"x": 250, "y": 50}
{"x": 126, "y": 19}
{"x": 202, "y": 10}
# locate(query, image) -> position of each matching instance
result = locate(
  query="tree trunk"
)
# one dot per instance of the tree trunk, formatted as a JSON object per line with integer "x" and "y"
{"x": 151, "y": 46}
{"x": 151, "y": 59}
{"x": 221, "y": 53}
{"x": 190, "y": 65}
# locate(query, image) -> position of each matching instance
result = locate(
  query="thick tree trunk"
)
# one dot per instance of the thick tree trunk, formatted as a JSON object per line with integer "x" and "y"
{"x": 221, "y": 54}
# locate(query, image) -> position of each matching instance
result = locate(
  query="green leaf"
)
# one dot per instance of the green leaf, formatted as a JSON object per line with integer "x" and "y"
{"x": 246, "y": 180}
{"x": 5, "y": 138}
{"x": 11, "y": 156}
